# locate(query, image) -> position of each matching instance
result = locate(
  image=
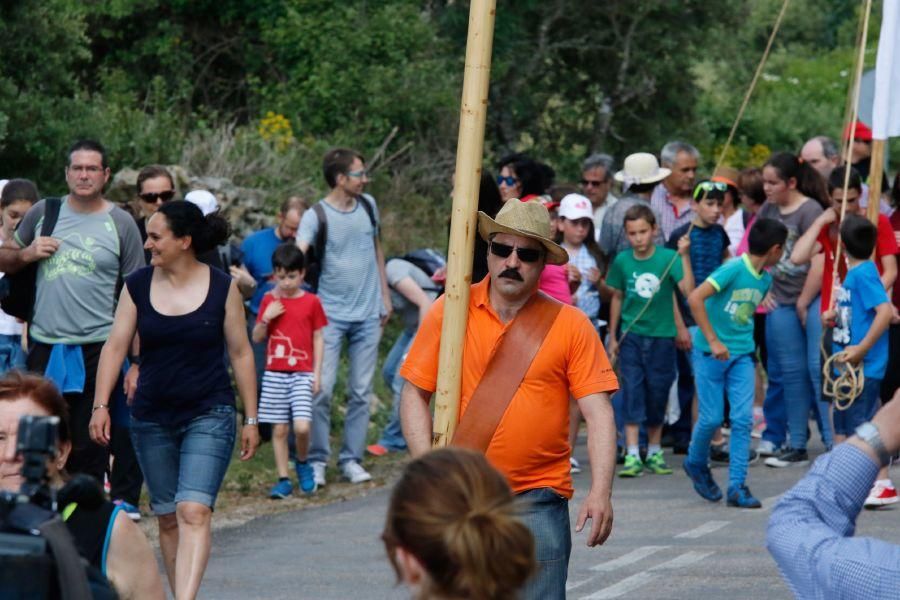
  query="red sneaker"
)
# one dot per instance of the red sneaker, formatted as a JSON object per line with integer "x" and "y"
{"x": 881, "y": 495}
{"x": 379, "y": 450}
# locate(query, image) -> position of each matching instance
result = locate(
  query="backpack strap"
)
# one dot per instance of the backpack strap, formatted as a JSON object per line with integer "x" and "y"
{"x": 52, "y": 206}
{"x": 367, "y": 205}
{"x": 505, "y": 371}
{"x": 321, "y": 232}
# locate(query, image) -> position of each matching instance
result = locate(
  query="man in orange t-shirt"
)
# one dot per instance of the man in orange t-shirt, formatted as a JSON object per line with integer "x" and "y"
{"x": 530, "y": 445}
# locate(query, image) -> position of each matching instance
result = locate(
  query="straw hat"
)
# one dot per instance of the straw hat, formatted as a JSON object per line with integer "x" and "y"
{"x": 641, "y": 167}
{"x": 528, "y": 219}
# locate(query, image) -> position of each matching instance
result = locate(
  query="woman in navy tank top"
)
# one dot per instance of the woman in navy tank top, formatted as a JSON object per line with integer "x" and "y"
{"x": 185, "y": 315}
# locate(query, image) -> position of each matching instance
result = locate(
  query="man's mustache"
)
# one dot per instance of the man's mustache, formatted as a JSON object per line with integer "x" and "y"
{"x": 511, "y": 274}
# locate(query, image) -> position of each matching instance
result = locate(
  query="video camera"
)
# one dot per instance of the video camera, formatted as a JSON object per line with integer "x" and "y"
{"x": 38, "y": 558}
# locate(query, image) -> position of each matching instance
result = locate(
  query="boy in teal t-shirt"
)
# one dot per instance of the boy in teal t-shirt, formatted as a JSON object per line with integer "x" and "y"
{"x": 723, "y": 307}
{"x": 643, "y": 287}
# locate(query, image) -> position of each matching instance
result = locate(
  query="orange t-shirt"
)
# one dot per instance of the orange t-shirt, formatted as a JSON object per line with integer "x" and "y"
{"x": 531, "y": 444}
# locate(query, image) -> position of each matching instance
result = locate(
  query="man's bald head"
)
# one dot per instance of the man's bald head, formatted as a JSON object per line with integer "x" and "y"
{"x": 822, "y": 154}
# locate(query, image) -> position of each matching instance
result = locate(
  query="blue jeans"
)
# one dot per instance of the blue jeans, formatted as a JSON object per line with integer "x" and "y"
{"x": 546, "y": 514}
{"x": 862, "y": 409}
{"x": 185, "y": 463}
{"x": 362, "y": 349}
{"x": 392, "y": 436}
{"x": 647, "y": 368}
{"x": 790, "y": 394}
{"x": 714, "y": 378}
{"x": 814, "y": 364}
{"x": 11, "y": 354}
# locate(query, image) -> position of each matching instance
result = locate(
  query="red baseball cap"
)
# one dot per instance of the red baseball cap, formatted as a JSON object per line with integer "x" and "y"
{"x": 859, "y": 130}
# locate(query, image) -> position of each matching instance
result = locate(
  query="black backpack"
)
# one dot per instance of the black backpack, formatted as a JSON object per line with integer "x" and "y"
{"x": 429, "y": 261}
{"x": 315, "y": 254}
{"x": 18, "y": 294}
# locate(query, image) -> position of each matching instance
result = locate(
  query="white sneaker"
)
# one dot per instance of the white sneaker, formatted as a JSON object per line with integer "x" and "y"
{"x": 767, "y": 448}
{"x": 318, "y": 473}
{"x": 881, "y": 495}
{"x": 574, "y": 465}
{"x": 354, "y": 472}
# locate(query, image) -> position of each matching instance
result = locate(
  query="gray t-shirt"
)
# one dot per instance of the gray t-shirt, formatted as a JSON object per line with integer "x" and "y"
{"x": 398, "y": 269}
{"x": 349, "y": 283}
{"x": 788, "y": 278}
{"x": 76, "y": 287}
{"x": 612, "y": 234}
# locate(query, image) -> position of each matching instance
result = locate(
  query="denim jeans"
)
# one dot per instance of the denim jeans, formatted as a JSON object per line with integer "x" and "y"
{"x": 790, "y": 392}
{"x": 714, "y": 378}
{"x": 814, "y": 364}
{"x": 862, "y": 409}
{"x": 647, "y": 369}
{"x": 392, "y": 436}
{"x": 362, "y": 349}
{"x": 185, "y": 463}
{"x": 11, "y": 354}
{"x": 546, "y": 514}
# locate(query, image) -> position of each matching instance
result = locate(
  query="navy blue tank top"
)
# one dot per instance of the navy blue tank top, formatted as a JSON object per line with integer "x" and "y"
{"x": 183, "y": 372}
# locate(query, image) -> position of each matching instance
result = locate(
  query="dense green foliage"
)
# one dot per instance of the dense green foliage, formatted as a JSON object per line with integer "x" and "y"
{"x": 257, "y": 90}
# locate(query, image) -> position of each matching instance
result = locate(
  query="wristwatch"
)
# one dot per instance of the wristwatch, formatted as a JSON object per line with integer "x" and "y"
{"x": 251, "y": 421}
{"x": 868, "y": 433}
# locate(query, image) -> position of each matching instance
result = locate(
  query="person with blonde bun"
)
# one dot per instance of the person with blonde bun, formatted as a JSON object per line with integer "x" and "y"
{"x": 450, "y": 517}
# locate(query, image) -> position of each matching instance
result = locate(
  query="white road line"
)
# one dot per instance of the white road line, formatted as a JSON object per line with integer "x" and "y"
{"x": 684, "y": 560}
{"x": 632, "y": 583}
{"x": 571, "y": 585}
{"x": 629, "y": 584}
{"x": 707, "y": 527}
{"x": 626, "y": 559}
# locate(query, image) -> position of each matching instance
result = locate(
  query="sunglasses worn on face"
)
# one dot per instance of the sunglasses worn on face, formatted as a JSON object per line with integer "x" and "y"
{"x": 528, "y": 255}
{"x": 708, "y": 186}
{"x": 591, "y": 183}
{"x": 509, "y": 181}
{"x": 153, "y": 197}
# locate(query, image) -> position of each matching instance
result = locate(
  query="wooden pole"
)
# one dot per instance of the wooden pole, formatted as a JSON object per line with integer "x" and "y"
{"x": 463, "y": 228}
{"x": 876, "y": 174}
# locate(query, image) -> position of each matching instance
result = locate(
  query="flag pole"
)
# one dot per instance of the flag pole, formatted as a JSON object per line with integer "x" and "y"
{"x": 463, "y": 229}
{"x": 876, "y": 174}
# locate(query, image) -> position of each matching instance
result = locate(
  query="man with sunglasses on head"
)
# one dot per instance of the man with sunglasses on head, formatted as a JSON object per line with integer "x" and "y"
{"x": 529, "y": 439}
{"x": 353, "y": 289}
{"x": 93, "y": 246}
{"x": 596, "y": 183}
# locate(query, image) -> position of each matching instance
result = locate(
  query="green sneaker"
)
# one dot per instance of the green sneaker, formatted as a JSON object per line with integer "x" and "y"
{"x": 656, "y": 464}
{"x": 633, "y": 467}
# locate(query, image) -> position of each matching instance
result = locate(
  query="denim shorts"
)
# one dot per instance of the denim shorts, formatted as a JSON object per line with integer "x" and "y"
{"x": 185, "y": 463}
{"x": 647, "y": 371}
{"x": 862, "y": 409}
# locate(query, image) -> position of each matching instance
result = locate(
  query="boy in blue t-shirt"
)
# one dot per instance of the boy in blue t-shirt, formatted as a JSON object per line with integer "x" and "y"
{"x": 862, "y": 315}
{"x": 723, "y": 307}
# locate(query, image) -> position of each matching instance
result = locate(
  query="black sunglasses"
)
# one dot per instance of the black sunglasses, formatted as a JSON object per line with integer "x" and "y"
{"x": 528, "y": 255}
{"x": 592, "y": 183}
{"x": 509, "y": 180}
{"x": 152, "y": 197}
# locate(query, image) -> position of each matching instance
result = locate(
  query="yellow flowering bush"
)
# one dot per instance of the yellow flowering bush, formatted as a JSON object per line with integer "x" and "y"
{"x": 276, "y": 128}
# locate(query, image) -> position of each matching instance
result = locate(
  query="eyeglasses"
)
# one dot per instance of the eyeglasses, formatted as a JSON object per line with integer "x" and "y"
{"x": 508, "y": 181}
{"x": 592, "y": 183}
{"x": 361, "y": 173}
{"x": 528, "y": 255}
{"x": 154, "y": 197}
{"x": 708, "y": 186}
{"x": 90, "y": 170}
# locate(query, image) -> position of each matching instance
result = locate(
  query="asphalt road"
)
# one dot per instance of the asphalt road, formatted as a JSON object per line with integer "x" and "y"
{"x": 667, "y": 543}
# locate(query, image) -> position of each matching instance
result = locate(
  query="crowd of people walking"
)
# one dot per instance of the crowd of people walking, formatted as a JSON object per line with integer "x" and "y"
{"x": 659, "y": 308}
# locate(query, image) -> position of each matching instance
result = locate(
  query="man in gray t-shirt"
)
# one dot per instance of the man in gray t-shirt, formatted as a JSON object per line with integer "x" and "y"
{"x": 412, "y": 293}
{"x": 354, "y": 294}
{"x": 92, "y": 247}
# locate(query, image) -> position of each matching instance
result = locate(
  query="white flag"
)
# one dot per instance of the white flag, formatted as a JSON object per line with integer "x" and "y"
{"x": 886, "y": 109}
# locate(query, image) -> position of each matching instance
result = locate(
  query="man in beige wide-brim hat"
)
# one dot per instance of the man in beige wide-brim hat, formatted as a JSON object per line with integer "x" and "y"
{"x": 530, "y": 444}
{"x": 640, "y": 174}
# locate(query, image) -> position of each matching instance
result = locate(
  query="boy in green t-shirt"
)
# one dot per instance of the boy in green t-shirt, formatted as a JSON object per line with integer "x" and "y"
{"x": 643, "y": 299}
{"x": 723, "y": 307}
